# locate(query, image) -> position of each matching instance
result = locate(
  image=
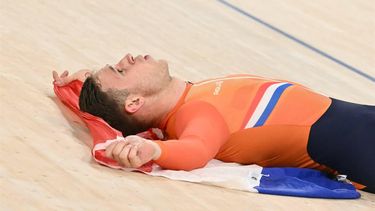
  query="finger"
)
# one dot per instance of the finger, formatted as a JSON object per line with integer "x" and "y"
{"x": 131, "y": 138}
{"x": 134, "y": 139}
{"x": 117, "y": 150}
{"x": 109, "y": 150}
{"x": 135, "y": 161}
{"x": 64, "y": 74}
{"x": 55, "y": 75}
{"x": 124, "y": 156}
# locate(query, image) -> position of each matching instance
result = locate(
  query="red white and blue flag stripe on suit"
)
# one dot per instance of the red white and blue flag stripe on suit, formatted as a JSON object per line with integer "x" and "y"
{"x": 264, "y": 102}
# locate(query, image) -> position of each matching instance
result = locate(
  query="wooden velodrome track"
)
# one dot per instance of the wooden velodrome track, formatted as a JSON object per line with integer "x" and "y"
{"x": 45, "y": 161}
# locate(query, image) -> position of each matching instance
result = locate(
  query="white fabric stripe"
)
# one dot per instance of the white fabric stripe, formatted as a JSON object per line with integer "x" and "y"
{"x": 263, "y": 104}
{"x": 217, "y": 173}
{"x": 230, "y": 78}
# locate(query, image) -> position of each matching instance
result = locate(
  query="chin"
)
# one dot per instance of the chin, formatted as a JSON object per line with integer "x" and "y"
{"x": 164, "y": 63}
{"x": 164, "y": 67}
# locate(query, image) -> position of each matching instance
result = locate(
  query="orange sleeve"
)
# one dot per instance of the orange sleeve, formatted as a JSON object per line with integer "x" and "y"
{"x": 201, "y": 131}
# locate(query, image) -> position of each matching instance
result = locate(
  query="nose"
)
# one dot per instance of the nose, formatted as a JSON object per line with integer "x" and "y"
{"x": 125, "y": 61}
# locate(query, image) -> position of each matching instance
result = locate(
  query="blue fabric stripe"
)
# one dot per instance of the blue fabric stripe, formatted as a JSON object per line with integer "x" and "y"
{"x": 271, "y": 105}
{"x": 305, "y": 183}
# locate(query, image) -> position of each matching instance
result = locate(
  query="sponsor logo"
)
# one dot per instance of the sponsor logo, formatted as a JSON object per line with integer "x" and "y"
{"x": 218, "y": 87}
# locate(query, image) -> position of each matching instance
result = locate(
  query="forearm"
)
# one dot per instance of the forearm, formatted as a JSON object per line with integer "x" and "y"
{"x": 187, "y": 154}
{"x": 201, "y": 133}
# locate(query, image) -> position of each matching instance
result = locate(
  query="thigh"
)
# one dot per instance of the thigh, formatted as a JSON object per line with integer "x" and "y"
{"x": 344, "y": 140}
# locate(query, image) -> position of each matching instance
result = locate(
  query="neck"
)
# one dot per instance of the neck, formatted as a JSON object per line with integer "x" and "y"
{"x": 158, "y": 106}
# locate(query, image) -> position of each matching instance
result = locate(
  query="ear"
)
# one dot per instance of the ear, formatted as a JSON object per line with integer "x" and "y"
{"x": 133, "y": 103}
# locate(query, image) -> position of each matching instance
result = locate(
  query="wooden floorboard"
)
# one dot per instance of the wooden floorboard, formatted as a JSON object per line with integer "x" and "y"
{"x": 45, "y": 161}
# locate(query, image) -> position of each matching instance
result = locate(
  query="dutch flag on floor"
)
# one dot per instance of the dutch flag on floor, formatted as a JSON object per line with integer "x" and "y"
{"x": 277, "y": 181}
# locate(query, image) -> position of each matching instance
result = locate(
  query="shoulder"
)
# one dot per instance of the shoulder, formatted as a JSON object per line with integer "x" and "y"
{"x": 199, "y": 115}
{"x": 196, "y": 107}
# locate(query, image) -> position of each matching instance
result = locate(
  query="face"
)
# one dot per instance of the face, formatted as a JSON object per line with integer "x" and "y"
{"x": 140, "y": 75}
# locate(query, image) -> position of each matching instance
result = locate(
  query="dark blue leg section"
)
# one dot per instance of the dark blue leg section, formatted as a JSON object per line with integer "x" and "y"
{"x": 344, "y": 140}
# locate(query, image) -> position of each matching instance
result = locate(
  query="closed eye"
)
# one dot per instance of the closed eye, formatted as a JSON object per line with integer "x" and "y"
{"x": 116, "y": 70}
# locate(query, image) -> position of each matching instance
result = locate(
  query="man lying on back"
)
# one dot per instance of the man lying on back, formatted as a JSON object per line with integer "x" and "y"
{"x": 240, "y": 118}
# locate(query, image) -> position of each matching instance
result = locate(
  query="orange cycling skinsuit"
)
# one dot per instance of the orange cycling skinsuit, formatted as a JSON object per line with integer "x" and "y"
{"x": 249, "y": 120}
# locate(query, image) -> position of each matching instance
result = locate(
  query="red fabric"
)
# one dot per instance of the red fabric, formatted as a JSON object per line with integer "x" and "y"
{"x": 99, "y": 129}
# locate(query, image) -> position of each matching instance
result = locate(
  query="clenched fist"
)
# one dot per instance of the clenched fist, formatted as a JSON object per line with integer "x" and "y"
{"x": 133, "y": 152}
